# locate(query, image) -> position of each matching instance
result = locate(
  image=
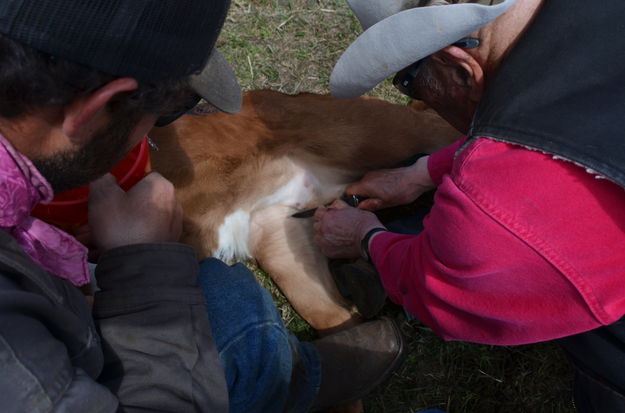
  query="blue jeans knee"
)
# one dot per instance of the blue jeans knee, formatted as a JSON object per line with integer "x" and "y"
{"x": 254, "y": 346}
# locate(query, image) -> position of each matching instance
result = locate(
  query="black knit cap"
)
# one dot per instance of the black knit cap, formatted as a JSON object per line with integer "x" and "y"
{"x": 149, "y": 40}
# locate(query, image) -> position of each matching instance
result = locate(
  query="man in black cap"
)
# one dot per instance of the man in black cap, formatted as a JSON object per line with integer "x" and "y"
{"x": 81, "y": 82}
{"x": 525, "y": 240}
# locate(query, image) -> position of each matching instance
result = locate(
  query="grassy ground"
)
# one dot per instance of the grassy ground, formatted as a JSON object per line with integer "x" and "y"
{"x": 291, "y": 46}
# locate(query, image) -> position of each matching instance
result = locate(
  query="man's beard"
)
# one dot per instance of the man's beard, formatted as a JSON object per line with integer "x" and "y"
{"x": 72, "y": 169}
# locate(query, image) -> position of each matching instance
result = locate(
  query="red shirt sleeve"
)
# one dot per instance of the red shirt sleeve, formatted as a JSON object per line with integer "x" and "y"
{"x": 474, "y": 276}
{"x": 441, "y": 161}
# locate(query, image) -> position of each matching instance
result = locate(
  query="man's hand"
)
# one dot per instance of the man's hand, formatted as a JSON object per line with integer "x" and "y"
{"x": 147, "y": 213}
{"x": 391, "y": 187}
{"x": 339, "y": 229}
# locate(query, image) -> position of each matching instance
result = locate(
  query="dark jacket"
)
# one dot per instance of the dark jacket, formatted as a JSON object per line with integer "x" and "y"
{"x": 146, "y": 347}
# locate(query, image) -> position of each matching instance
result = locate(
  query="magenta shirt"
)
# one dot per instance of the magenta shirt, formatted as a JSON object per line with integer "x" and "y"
{"x": 518, "y": 248}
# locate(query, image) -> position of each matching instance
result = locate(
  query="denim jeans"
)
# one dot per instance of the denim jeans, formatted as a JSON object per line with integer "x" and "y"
{"x": 591, "y": 395}
{"x": 258, "y": 354}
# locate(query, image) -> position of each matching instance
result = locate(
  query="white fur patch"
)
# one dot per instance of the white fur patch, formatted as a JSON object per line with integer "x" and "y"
{"x": 300, "y": 189}
{"x": 305, "y": 189}
{"x": 233, "y": 236}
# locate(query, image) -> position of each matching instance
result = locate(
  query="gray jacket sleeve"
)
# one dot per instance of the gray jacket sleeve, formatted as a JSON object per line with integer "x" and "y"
{"x": 159, "y": 354}
{"x": 157, "y": 350}
{"x": 49, "y": 350}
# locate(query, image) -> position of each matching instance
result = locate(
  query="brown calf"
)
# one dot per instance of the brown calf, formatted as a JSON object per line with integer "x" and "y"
{"x": 240, "y": 177}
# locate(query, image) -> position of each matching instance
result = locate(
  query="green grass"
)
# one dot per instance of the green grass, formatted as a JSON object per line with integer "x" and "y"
{"x": 291, "y": 46}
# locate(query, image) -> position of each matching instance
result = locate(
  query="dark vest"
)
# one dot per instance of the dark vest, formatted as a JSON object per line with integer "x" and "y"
{"x": 562, "y": 91}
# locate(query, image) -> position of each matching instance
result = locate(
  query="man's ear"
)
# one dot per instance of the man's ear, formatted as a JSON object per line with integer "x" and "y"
{"x": 466, "y": 71}
{"x": 83, "y": 114}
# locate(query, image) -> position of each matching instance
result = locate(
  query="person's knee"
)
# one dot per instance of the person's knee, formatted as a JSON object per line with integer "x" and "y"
{"x": 218, "y": 278}
{"x": 234, "y": 300}
{"x": 258, "y": 365}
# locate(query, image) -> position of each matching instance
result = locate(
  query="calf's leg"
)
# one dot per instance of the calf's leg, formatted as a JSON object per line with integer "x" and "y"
{"x": 284, "y": 248}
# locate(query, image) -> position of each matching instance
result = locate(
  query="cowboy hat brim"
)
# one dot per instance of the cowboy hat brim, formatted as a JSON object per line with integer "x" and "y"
{"x": 403, "y": 38}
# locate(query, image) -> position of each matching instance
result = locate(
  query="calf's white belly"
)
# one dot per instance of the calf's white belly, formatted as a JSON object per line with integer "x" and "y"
{"x": 308, "y": 187}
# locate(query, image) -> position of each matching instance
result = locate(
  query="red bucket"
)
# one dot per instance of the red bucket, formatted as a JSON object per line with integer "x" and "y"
{"x": 68, "y": 210}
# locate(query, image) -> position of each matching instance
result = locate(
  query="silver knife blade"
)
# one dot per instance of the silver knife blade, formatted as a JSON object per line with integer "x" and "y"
{"x": 307, "y": 213}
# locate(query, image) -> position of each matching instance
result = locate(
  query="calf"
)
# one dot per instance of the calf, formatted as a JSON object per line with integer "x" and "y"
{"x": 240, "y": 177}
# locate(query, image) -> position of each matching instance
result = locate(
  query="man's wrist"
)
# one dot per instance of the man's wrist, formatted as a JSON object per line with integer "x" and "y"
{"x": 366, "y": 240}
{"x": 420, "y": 174}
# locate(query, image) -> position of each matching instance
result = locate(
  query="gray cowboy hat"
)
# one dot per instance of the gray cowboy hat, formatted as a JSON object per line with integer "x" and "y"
{"x": 401, "y": 32}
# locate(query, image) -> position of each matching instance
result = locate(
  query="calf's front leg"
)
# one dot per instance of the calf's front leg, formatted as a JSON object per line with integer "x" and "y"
{"x": 284, "y": 248}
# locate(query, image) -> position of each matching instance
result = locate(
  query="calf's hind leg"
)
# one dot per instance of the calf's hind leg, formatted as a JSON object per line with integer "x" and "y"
{"x": 285, "y": 249}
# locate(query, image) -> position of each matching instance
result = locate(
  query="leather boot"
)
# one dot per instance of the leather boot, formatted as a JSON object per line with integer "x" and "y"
{"x": 355, "y": 361}
{"x": 359, "y": 282}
